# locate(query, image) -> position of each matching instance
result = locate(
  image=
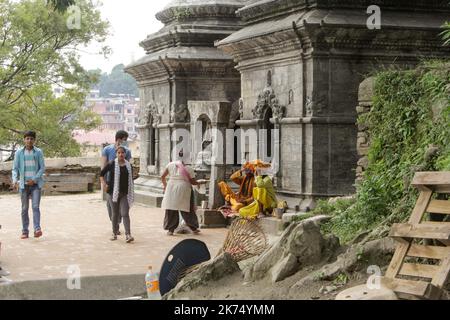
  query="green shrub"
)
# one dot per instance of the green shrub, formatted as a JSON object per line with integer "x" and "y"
{"x": 410, "y": 116}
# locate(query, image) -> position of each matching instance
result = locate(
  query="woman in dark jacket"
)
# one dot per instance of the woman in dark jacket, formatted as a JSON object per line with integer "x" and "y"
{"x": 120, "y": 190}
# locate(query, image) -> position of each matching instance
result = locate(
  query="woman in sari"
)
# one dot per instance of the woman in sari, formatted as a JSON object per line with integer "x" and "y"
{"x": 178, "y": 196}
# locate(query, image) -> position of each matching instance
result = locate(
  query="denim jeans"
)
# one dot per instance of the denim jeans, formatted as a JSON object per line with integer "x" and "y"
{"x": 35, "y": 194}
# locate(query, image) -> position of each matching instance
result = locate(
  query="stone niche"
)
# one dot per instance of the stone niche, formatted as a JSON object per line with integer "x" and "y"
{"x": 301, "y": 65}
{"x": 215, "y": 115}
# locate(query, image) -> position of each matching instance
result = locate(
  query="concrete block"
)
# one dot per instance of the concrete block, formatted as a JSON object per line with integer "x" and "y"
{"x": 272, "y": 226}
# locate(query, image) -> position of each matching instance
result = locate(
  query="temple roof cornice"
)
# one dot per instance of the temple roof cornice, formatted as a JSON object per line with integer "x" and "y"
{"x": 268, "y": 9}
{"x": 180, "y": 10}
{"x": 339, "y": 29}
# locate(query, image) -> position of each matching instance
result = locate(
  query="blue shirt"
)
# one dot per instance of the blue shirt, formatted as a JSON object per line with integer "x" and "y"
{"x": 18, "y": 171}
{"x": 110, "y": 153}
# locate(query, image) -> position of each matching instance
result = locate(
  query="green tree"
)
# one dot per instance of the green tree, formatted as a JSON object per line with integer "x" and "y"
{"x": 61, "y": 5}
{"x": 55, "y": 119}
{"x": 37, "y": 49}
{"x": 117, "y": 82}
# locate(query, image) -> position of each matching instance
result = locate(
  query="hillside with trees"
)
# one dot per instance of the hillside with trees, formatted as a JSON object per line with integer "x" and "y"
{"x": 116, "y": 82}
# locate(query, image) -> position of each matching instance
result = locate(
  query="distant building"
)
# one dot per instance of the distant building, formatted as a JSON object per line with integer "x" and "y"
{"x": 94, "y": 94}
{"x": 120, "y": 112}
{"x": 117, "y": 112}
{"x": 93, "y": 142}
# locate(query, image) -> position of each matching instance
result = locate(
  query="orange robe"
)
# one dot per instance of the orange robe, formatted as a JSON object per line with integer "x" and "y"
{"x": 245, "y": 194}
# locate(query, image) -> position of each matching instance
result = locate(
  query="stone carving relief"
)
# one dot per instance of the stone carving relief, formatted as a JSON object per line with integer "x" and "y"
{"x": 179, "y": 114}
{"x": 269, "y": 79}
{"x": 144, "y": 116}
{"x": 155, "y": 113}
{"x": 278, "y": 111}
{"x": 309, "y": 106}
{"x": 268, "y": 99}
{"x": 319, "y": 106}
{"x": 149, "y": 113}
{"x": 291, "y": 97}
{"x": 236, "y": 112}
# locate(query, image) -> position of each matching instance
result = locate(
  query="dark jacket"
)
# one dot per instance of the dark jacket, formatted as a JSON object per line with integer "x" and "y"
{"x": 109, "y": 169}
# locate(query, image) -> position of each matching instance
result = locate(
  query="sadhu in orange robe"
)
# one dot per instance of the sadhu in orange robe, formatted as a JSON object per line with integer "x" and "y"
{"x": 245, "y": 178}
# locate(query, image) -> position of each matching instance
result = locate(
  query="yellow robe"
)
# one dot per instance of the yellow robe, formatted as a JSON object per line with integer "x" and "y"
{"x": 263, "y": 195}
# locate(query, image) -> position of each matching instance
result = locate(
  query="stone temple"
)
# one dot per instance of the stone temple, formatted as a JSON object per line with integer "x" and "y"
{"x": 290, "y": 66}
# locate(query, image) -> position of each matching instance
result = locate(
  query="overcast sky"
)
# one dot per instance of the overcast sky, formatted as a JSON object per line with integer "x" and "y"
{"x": 131, "y": 21}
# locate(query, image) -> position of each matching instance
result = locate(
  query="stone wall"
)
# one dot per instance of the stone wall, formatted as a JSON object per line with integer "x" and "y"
{"x": 366, "y": 93}
{"x": 62, "y": 166}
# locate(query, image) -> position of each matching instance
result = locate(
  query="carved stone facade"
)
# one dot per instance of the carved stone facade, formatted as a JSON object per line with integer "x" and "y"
{"x": 268, "y": 100}
{"x": 306, "y": 60}
{"x": 181, "y": 65}
{"x": 292, "y": 66}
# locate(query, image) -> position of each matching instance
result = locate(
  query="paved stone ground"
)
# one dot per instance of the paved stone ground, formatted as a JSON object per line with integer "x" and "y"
{"x": 77, "y": 231}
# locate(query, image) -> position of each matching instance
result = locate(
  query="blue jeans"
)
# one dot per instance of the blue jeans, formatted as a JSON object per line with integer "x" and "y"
{"x": 35, "y": 194}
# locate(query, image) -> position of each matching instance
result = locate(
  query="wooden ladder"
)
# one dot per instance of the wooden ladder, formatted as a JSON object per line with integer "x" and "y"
{"x": 420, "y": 270}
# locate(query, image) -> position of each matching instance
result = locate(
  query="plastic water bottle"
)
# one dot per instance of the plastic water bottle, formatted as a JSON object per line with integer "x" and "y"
{"x": 152, "y": 284}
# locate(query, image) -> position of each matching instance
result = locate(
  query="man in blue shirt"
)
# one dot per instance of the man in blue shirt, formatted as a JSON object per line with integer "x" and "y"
{"x": 109, "y": 154}
{"x": 27, "y": 176}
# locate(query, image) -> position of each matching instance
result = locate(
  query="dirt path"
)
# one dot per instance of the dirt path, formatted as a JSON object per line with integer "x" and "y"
{"x": 234, "y": 288}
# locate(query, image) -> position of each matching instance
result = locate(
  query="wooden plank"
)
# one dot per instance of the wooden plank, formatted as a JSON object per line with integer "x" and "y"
{"x": 409, "y": 287}
{"x": 437, "y": 223}
{"x": 421, "y": 231}
{"x": 402, "y": 249}
{"x": 419, "y": 270}
{"x": 445, "y": 242}
{"x": 397, "y": 259}
{"x": 439, "y": 207}
{"x": 441, "y": 277}
{"x": 431, "y": 179}
{"x": 441, "y": 189}
{"x": 430, "y": 252}
{"x": 420, "y": 207}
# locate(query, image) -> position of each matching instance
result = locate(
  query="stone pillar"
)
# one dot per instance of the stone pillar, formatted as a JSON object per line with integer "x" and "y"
{"x": 366, "y": 93}
{"x": 219, "y": 166}
{"x": 144, "y": 132}
{"x": 276, "y": 161}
